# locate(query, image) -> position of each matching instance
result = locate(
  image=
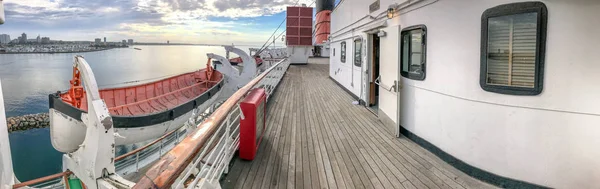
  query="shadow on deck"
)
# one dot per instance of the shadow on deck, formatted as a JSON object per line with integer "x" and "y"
{"x": 316, "y": 138}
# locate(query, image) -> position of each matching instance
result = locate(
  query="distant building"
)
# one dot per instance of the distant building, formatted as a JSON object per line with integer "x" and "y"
{"x": 167, "y": 42}
{"x": 130, "y": 41}
{"x": 98, "y": 40}
{"x": 23, "y": 38}
{"x": 45, "y": 40}
{"x": 4, "y": 38}
{"x": 124, "y": 42}
{"x": 104, "y": 39}
{"x": 15, "y": 41}
{"x": 38, "y": 39}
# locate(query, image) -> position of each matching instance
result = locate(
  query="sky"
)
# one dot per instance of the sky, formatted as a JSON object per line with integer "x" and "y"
{"x": 247, "y": 22}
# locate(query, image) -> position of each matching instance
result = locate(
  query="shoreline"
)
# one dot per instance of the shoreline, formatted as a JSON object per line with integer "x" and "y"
{"x": 27, "y": 122}
{"x": 94, "y": 50}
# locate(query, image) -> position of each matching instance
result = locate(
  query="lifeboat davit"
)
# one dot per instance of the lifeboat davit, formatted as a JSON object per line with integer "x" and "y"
{"x": 238, "y": 60}
{"x": 139, "y": 113}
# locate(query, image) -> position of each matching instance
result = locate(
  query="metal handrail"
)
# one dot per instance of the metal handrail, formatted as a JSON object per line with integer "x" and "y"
{"x": 166, "y": 171}
{"x": 227, "y": 138}
{"x": 66, "y": 173}
{"x": 42, "y": 179}
{"x": 145, "y": 146}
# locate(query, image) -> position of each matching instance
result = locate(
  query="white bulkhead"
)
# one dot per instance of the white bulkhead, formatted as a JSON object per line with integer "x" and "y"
{"x": 549, "y": 139}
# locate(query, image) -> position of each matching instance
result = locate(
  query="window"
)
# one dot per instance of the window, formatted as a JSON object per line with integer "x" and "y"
{"x": 358, "y": 52}
{"x": 343, "y": 52}
{"x": 333, "y": 51}
{"x": 512, "y": 48}
{"x": 413, "y": 52}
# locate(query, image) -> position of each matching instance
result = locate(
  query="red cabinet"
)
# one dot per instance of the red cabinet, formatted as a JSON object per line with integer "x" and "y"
{"x": 252, "y": 124}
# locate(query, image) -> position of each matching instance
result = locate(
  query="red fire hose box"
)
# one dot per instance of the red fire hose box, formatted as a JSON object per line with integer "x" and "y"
{"x": 252, "y": 124}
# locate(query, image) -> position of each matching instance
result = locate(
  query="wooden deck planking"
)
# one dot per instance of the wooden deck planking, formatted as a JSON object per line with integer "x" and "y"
{"x": 351, "y": 146}
{"x": 316, "y": 138}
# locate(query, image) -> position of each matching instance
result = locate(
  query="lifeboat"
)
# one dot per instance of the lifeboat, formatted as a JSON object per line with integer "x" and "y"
{"x": 139, "y": 113}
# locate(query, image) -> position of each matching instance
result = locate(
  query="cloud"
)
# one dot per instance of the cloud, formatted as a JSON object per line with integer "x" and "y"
{"x": 152, "y": 20}
{"x": 223, "y": 5}
{"x": 185, "y": 4}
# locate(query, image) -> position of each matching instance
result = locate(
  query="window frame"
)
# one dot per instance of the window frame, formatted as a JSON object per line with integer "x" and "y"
{"x": 360, "y": 51}
{"x": 424, "y": 49}
{"x": 343, "y": 51}
{"x": 542, "y": 22}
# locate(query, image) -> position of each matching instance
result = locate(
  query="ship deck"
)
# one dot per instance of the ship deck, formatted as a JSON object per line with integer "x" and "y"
{"x": 316, "y": 138}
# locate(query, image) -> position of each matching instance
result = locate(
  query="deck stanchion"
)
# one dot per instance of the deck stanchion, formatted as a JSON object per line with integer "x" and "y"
{"x": 160, "y": 148}
{"x": 227, "y": 137}
{"x": 137, "y": 161}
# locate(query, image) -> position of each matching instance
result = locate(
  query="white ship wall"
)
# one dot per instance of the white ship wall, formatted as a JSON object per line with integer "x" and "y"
{"x": 551, "y": 139}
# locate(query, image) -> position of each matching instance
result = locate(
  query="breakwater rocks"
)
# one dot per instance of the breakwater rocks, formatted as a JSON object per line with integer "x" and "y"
{"x": 26, "y": 122}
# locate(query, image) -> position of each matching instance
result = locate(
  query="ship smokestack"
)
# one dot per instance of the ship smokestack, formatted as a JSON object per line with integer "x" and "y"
{"x": 322, "y": 23}
{"x": 325, "y": 5}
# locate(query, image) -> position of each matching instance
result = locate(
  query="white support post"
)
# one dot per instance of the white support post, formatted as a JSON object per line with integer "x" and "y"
{"x": 94, "y": 159}
{"x": 1, "y": 12}
{"x": 137, "y": 161}
{"x": 227, "y": 136}
{"x": 7, "y": 177}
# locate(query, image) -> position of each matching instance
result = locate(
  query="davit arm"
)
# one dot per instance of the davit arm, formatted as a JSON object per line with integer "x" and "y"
{"x": 93, "y": 161}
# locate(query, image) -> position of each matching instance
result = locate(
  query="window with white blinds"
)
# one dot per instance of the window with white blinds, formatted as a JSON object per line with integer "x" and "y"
{"x": 343, "y": 52}
{"x": 512, "y": 59}
{"x": 511, "y": 50}
{"x": 358, "y": 52}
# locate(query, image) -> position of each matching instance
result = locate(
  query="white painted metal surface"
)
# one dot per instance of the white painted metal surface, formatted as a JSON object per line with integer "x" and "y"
{"x": 94, "y": 158}
{"x": 234, "y": 80}
{"x": 299, "y": 54}
{"x": 7, "y": 177}
{"x": 2, "y": 17}
{"x": 548, "y": 139}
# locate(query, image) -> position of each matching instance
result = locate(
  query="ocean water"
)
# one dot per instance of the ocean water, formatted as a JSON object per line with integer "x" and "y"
{"x": 27, "y": 79}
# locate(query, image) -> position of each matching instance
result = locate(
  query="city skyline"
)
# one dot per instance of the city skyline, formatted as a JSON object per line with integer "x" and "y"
{"x": 41, "y": 37}
{"x": 177, "y": 21}
{"x": 5, "y": 38}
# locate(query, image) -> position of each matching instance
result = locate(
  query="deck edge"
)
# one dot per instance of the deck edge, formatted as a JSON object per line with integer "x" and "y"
{"x": 470, "y": 170}
{"x": 346, "y": 90}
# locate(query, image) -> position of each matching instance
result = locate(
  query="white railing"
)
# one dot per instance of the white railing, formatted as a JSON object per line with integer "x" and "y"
{"x": 213, "y": 161}
{"x": 204, "y": 155}
{"x": 133, "y": 161}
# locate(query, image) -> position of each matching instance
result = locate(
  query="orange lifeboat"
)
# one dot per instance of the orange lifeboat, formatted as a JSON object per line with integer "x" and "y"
{"x": 139, "y": 112}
